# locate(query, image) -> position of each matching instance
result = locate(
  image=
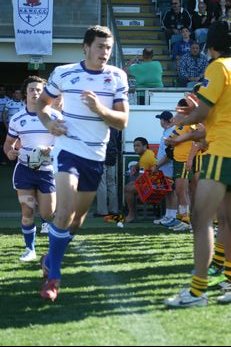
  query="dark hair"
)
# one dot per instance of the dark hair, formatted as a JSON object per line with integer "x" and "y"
{"x": 142, "y": 140}
{"x": 182, "y": 102}
{"x": 96, "y": 31}
{"x": 148, "y": 52}
{"x": 28, "y": 80}
{"x": 219, "y": 38}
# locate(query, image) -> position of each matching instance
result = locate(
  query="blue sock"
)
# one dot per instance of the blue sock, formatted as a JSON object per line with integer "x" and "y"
{"x": 29, "y": 233}
{"x": 59, "y": 240}
{"x": 47, "y": 259}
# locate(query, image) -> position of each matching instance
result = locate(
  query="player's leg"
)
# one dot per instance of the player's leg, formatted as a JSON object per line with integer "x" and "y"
{"x": 27, "y": 200}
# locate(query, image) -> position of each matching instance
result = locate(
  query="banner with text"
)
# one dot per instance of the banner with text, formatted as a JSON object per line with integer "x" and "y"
{"x": 33, "y": 22}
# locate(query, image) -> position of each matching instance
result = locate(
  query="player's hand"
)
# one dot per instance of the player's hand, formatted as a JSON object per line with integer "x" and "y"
{"x": 170, "y": 141}
{"x": 91, "y": 100}
{"x": 57, "y": 127}
{"x": 179, "y": 118}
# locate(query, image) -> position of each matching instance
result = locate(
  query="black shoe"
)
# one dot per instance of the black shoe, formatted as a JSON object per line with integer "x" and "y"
{"x": 99, "y": 215}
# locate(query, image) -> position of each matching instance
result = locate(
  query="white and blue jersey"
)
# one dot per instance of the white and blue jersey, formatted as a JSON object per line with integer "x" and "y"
{"x": 167, "y": 168}
{"x": 3, "y": 102}
{"x": 28, "y": 128}
{"x": 12, "y": 107}
{"x": 87, "y": 134}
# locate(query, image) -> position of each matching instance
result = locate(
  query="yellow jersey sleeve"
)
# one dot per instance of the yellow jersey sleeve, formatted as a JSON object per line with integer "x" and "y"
{"x": 213, "y": 85}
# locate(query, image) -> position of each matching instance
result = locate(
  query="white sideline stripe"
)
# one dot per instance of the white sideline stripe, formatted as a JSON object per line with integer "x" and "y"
{"x": 59, "y": 235}
{"x": 27, "y": 232}
{"x": 146, "y": 332}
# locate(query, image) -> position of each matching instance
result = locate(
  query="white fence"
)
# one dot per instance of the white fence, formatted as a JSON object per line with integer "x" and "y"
{"x": 142, "y": 120}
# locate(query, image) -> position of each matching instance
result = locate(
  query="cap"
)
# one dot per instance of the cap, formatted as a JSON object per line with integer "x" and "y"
{"x": 166, "y": 115}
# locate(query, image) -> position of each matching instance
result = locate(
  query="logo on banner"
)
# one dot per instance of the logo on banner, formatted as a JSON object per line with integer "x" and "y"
{"x": 33, "y": 12}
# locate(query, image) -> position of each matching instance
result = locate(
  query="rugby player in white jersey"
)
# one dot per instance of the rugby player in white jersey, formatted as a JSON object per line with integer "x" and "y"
{"x": 95, "y": 98}
{"x": 34, "y": 181}
{"x": 12, "y": 106}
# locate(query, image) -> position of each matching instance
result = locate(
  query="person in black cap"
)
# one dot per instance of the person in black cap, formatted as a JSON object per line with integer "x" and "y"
{"x": 165, "y": 164}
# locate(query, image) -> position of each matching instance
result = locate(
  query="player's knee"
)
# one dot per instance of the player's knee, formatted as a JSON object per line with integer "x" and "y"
{"x": 27, "y": 201}
{"x": 47, "y": 215}
{"x": 27, "y": 220}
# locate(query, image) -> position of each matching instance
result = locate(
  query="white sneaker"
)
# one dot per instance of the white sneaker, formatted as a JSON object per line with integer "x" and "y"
{"x": 160, "y": 221}
{"x": 44, "y": 228}
{"x": 181, "y": 227}
{"x": 170, "y": 222}
{"x": 225, "y": 285}
{"x": 225, "y": 298}
{"x": 28, "y": 255}
{"x": 185, "y": 299}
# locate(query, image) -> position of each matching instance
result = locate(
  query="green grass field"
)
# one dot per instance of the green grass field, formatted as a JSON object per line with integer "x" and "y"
{"x": 113, "y": 286}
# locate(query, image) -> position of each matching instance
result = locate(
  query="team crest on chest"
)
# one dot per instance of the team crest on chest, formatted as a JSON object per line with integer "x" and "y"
{"x": 107, "y": 83}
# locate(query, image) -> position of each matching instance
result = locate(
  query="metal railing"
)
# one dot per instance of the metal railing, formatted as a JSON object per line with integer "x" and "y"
{"x": 117, "y": 58}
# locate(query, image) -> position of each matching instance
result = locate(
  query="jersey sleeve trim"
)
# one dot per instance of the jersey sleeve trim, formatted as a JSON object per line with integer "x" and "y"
{"x": 205, "y": 100}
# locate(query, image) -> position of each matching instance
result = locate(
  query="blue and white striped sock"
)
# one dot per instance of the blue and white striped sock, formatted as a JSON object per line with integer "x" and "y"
{"x": 59, "y": 240}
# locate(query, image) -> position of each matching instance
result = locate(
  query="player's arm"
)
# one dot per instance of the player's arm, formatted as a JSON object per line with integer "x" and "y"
{"x": 193, "y": 151}
{"x": 43, "y": 109}
{"x": 162, "y": 162}
{"x": 9, "y": 147}
{"x": 193, "y": 135}
{"x": 198, "y": 114}
{"x": 116, "y": 117}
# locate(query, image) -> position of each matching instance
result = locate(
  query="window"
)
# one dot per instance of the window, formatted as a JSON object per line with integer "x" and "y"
{"x": 70, "y": 18}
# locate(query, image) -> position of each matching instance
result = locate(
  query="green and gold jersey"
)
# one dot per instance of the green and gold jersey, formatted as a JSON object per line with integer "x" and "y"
{"x": 216, "y": 92}
{"x": 181, "y": 150}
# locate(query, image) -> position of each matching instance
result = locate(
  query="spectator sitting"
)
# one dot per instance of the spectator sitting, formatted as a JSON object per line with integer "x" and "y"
{"x": 183, "y": 46}
{"x": 174, "y": 20}
{"x": 222, "y": 8}
{"x": 148, "y": 73}
{"x": 147, "y": 161}
{"x": 192, "y": 66}
{"x": 201, "y": 20}
{"x": 227, "y": 18}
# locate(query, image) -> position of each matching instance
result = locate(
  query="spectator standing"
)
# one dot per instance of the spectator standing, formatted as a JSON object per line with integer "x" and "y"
{"x": 165, "y": 164}
{"x": 107, "y": 193}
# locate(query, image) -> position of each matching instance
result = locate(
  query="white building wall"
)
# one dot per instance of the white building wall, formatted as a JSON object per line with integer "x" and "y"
{"x": 68, "y": 52}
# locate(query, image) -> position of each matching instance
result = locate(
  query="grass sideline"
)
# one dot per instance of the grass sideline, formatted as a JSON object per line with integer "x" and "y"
{"x": 113, "y": 286}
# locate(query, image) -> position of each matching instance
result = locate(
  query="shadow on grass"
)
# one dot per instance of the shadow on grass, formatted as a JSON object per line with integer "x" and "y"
{"x": 104, "y": 274}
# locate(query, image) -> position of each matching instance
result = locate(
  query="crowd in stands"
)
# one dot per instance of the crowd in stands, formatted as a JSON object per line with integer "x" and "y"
{"x": 185, "y": 24}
